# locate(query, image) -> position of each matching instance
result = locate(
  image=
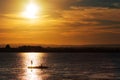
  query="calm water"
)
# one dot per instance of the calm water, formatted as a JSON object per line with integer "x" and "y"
{"x": 63, "y": 66}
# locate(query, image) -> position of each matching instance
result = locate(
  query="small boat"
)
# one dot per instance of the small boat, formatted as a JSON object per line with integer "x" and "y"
{"x": 37, "y": 67}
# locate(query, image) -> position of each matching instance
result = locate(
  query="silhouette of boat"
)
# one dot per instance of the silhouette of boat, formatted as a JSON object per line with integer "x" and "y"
{"x": 37, "y": 67}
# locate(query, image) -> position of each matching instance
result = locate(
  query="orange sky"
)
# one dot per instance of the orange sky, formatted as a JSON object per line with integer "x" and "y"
{"x": 62, "y": 22}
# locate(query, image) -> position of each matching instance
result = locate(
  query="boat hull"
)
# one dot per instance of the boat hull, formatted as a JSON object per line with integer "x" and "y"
{"x": 38, "y": 67}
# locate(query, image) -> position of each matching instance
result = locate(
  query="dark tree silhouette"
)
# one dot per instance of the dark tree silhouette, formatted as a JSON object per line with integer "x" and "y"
{"x": 7, "y": 46}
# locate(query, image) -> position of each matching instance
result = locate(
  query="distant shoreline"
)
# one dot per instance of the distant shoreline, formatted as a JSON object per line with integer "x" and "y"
{"x": 60, "y": 49}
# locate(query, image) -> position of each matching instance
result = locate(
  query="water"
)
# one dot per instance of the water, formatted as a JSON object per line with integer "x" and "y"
{"x": 63, "y": 66}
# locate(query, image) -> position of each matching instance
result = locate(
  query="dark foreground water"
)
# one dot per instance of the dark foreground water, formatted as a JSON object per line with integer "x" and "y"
{"x": 63, "y": 66}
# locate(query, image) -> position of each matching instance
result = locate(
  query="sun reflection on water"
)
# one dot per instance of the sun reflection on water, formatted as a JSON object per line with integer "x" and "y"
{"x": 37, "y": 58}
{"x": 32, "y": 75}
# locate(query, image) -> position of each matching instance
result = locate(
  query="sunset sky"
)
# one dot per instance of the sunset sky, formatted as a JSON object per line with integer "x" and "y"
{"x": 62, "y": 22}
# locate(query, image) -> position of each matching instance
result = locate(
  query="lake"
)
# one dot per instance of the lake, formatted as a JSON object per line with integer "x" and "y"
{"x": 62, "y": 66}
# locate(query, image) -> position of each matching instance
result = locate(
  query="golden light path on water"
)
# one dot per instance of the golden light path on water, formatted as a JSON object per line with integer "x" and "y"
{"x": 37, "y": 58}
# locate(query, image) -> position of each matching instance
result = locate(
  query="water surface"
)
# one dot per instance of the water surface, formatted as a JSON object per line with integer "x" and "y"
{"x": 63, "y": 66}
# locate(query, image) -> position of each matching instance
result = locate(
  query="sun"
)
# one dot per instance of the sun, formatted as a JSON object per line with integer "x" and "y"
{"x": 31, "y": 11}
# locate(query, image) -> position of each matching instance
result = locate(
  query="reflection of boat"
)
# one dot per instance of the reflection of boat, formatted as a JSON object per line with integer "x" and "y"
{"x": 37, "y": 67}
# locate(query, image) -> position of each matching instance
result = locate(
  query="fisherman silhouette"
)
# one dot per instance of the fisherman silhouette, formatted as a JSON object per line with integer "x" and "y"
{"x": 31, "y": 62}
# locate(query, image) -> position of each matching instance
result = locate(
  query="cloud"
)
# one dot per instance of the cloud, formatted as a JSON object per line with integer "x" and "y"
{"x": 104, "y": 22}
{"x": 98, "y": 3}
{"x": 67, "y": 4}
{"x": 70, "y": 21}
{"x": 11, "y": 16}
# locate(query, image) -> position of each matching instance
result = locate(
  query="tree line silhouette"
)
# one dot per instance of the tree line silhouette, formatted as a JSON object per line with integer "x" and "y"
{"x": 24, "y": 48}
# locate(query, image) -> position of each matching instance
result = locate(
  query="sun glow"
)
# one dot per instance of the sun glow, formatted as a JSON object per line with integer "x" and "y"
{"x": 31, "y": 11}
{"x": 37, "y": 58}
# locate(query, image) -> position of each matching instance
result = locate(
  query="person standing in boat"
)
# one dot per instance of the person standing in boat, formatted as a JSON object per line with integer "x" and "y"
{"x": 31, "y": 62}
{"x": 41, "y": 65}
